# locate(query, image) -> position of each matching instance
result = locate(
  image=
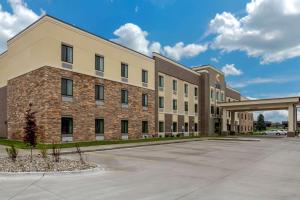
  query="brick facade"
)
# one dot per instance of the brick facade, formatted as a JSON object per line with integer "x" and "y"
{"x": 43, "y": 88}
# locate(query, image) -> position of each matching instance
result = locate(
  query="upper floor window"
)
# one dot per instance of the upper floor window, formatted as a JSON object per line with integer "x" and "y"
{"x": 124, "y": 70}
{"x": 196, "y": 108}
{"x": 174, "y": 104}
{"x": 222, "y": 96}
{"x": 99, "y": 126}
{"x": 66, "y": 87}
{"x": 145, "y": 100}
{"x": 160, "y": 81}
{"x": 99, "y": 63}
{"x": 217, "y": 95}
{"x": 186, "y": 106}
{"x": 186, "y": 89}
{"x": 212, "y": 109}
{"x": 124, "y": 96}
{"x": 196, "y": 91}
{"x": 161, "y": 102}
{"x": 144, "y": 76}
{"x": 99, "y": 92}
{"x": 66, "y": 53}
{"x": 174, "y": 85}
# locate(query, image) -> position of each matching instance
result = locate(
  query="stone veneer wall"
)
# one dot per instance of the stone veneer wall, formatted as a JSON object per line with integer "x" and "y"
{"x": 3, "y": 112}
{"x": 42, "y": 87}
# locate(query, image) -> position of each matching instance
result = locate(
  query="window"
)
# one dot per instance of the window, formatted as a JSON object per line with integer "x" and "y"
{"x": 174, "y": 85}
{"x": 99, "y": 92}
{"x": 196, "y": 127}
{"x": 144, "y": 76}
{"x": 218, "y": 110}
{"x": 99, "y": 63}
{"x": 66, "y": 125}
{"x": 222, "y": 96}
{"x": 145, "y": 127}
{"x": 66, "y": 87}
{"x": 66, "y": 53}
{"x": 161, "y": 102}
{"x": 196, "y": 92}
{"x": 186, "y": 106}
{"x": 186, "y": 89}
{"x": 217, "y": 95}
{"x": 174, "y": 104}
{"x": 124, "y": 96}
{"x": 212, "y": 109}
{"x": 124, "y": 70}
{"x": 196, "y": 108}
{"x": 174, "y": 127}
{"x": 145, "y": 100}
{"x": 186, "y": 127}
{"x": 160, "y": 81}
{"x": 161, "y": 127}
{"x": 211, "y": 94}
{"x": 99, "y": 126}
{"x": 124, "y": 126}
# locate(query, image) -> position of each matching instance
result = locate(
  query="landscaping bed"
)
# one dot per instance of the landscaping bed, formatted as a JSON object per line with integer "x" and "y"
{"x": 40, "y": 164}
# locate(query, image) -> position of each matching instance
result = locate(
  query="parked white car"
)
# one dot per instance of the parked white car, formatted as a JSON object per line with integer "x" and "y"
{"x": 276, "y": 132}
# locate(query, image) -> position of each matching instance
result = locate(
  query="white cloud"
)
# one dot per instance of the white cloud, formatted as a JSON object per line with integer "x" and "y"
{"x": 134, "y": 37}
{"x": 214, "y": 59}
{"x": 269, "y": 30}
{"x": 231, "y": 70}
{"x": 12, "y": 23}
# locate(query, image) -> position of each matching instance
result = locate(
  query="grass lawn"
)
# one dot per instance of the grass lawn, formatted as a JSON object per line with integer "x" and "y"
{"x": 22, "y": 145}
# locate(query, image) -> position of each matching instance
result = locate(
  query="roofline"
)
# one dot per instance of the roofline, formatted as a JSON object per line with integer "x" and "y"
{"x": 208, "y": 66}
{"x": 76, "y": 27}
{"x": 279, "y": 98}
{"x": 230, "y": 88}
{"x": 174, "y": 62}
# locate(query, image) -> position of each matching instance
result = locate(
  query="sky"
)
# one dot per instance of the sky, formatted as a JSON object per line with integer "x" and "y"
{"x": 255, "y": 43}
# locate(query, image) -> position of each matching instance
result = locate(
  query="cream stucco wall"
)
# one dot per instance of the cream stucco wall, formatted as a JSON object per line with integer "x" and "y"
{"x": 40, "y": 45}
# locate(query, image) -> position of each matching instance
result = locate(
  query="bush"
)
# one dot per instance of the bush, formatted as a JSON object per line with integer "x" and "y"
{"x": 55, "y": 152}
{"x": 44, "y": 152}
{"x": 78, "y": 150}
{"x": 12, "y": 153}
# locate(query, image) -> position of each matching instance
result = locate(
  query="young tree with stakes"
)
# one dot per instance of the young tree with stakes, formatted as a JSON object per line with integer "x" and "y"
{"x": 30, "y": 129}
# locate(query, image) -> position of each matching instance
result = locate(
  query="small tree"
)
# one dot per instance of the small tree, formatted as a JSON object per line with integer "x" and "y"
{"x": 30, "y": 129}
{"x": 261, "y": 125}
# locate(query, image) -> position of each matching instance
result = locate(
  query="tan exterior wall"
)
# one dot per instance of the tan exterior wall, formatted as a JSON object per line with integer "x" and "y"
{"x": 40, "y": 45}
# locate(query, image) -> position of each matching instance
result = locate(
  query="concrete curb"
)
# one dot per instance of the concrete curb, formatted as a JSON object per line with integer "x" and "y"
{"x": 72, "y": 151}
{"x": 237, "y": 139}
{"x": 92, "y": 171}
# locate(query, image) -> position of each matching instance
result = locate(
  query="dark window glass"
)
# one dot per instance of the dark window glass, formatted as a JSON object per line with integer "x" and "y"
{"x": 196, "y": 108}
{"x": 66, "y": 87}
{"x": 174, "y": 104}
{"x": 212, "y": 109}
{"x": 218, "y": 110}
{"x": 99, "y": 92}
{"x": 66, "y": 125}
{"x": 161, "y": 102}
{"x": 174, "y": 85}
{"x": 145, "y": 127}
{"x": 124, "y": 96}
{"x": 144, "y": 76}
{"x": 99, "y": 63}
{"x": 174, "y": 129}
{"x": 211, "y": 94}
{"x": 160, "y": 81}
{"x": 161, "y": 127}
{"x": 145, "y": 100}
{"x": 196, "y": 92}
{"x": 66, "y": 53}
{"x": 99, "y": 126}
{"x": 196, "y": 127}
{"x": 186, "y": 127}
{"x": 124, "y": 126}
{"x": 124, "y": 70}
{"x": 186, "y": 89}
{"x": 186, "y": 106}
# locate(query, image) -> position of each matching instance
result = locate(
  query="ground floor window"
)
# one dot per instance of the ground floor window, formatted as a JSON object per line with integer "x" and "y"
{"x": 99, "y": 126}
{"x": 66, "y": 125}
{"x": 196, "y": 127}
{"x": 161, "y": 127}
{"x": 124, "y": 126}
{"x": 174, "y": 128}
{"x": 145, "y": 127}
{"x": 186, "y": 127}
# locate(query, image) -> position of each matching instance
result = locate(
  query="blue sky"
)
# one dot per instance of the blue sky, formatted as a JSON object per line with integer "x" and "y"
{"x": 251, "y": 41}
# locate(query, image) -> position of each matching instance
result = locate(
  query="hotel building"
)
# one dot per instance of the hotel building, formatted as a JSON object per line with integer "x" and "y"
{"x": 86, "y": 88}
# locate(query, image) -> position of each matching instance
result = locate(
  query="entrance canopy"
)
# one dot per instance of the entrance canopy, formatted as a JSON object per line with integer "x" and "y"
{"x": 261, "y": 104}
{"x": 288, "y": 103}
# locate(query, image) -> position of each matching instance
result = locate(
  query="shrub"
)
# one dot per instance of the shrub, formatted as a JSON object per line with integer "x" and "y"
{"x": 78, "y": 150}
{"x": 12, "y": 153}
{"x": 44, "y": 152}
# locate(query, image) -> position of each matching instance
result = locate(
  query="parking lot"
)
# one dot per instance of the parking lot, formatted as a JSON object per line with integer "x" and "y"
{"x": 266, "y": 169}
